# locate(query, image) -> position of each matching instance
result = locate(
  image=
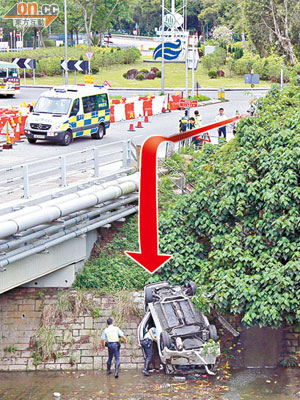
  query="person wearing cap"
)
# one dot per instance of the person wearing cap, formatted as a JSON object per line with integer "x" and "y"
{"x": 111, "y": 339}
{"x": 221, "y": 117}
{"x": 147, "y": 344}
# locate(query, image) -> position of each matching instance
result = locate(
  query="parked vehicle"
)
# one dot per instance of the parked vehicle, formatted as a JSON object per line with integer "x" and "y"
{"x": 67, "y": 112}
{"x": 185, "y": 338}
{"x": 9, "y": 78}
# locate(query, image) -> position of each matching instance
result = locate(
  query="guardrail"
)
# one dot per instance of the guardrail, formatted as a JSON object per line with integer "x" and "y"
{"x": 25, "y": 180}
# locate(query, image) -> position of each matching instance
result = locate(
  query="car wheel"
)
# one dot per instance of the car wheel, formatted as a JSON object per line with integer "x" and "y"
{"x": 148, "y": 297}
{"x": 213, "y": 332}
{"x": 164, "y": 340}
{"x": 31, "y": 141}
{"x": 191, "y": 288}
{"x": 67, "y": 139}
{"x": 212, "y": 367}
{"x": 100, "y": 132}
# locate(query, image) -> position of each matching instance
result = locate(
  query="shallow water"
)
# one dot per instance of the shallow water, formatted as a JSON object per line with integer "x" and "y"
{"x": 258, "y": 384}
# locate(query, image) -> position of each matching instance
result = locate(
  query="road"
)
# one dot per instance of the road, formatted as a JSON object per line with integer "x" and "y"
{"x": 163, "y": 124}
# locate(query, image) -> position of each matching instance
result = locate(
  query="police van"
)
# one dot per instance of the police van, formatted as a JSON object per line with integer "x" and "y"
{"x": 67, "y": 112}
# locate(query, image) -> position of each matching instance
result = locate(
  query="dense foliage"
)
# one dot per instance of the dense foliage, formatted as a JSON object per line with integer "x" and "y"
{"x": 238, "y": 234}
{"x": 112, "y": 269}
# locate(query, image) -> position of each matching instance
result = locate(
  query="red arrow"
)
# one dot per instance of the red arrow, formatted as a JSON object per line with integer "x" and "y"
{"x": 148, "y": 256}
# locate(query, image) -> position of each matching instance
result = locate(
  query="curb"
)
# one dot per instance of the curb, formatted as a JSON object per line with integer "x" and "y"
{"x": 156, "y": 89}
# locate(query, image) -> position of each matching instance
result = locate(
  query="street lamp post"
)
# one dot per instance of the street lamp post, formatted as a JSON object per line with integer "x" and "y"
{"x": 66, "y": 43}
{"x": 163, "y": 47}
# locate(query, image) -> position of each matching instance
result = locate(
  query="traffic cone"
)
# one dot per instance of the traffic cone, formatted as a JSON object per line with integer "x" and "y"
{"x": 131, "y": 128}
{"x": 146, "y": 119}
{"x": 139, "y": 124}
{"x": 18, "y": 133}
{"x": 163, "y": 109}
{"x": 8, "y": 144}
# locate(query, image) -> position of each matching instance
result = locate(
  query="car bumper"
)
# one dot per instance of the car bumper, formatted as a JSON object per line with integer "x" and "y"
{"x": 188, "y": 357}
{"x": 55, "y": 137}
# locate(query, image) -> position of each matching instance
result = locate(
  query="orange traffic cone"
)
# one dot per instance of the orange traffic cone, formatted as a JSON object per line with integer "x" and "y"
{"x": 139, "y": 124}
{"x": 18, "y": 133}
{"x": 146, "y": 119}
{"x": 131, "y": 128}
{"x": 8, "y": 144}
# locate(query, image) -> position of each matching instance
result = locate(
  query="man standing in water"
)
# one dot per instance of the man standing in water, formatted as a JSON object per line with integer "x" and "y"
{"x": 111, "y": 339}
{"x": 147, "y": 344}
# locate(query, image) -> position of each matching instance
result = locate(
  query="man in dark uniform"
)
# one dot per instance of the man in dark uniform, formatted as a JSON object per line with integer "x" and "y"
{"x": 147, "y": 344}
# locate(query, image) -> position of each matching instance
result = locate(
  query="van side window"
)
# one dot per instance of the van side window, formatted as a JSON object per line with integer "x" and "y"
{"x": 89, "y": 104}
{"x": 102, "y": 101}
{"x": 75, "y": 108}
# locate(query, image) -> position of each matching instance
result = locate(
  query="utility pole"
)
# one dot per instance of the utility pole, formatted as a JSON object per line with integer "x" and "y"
{"x": 163, "y": 47}
{"x": 66, "y": 43}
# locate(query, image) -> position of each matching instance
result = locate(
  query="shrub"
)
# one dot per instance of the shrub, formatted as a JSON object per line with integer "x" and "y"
{"x": 49, "y": 43}
{"x": 158, "y": 74}
{"x": 144, "y": 70}
{"x": 140, "y": 77}
{"x": 95, "y": 70}
{"x": 220, "y": 73}
{"x": 131, "y": 74}
{"x": 214, "y": 60}
{"x": 150, "y": 75}
{"x": 125, "y": 75}
{"x": 154, "y": 69}
{"x": 213, "y": 73}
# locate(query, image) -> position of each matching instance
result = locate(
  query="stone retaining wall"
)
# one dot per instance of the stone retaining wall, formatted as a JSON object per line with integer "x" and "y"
{"x": 73, "y": 338}
{"x": 54, "y": 329}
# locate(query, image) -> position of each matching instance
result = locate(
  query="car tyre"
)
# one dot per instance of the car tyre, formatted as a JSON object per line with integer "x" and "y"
{"x": 100, "y": 133}
{"x": 148, "y": 297}
{"x": 31, "y": 141}
{"x": 164, "y": 340}
{"x": 67, "y": 139}
{"x": 213, "y": 332}
{"x": 191, "y": 288}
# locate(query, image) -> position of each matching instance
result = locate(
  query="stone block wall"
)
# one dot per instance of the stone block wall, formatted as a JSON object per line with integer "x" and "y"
{"x": 65, "y": 326}
{"x": 54, "y": 329}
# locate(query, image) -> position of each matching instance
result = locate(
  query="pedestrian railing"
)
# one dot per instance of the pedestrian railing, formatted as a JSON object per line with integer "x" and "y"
{"x": 35, "y": 177}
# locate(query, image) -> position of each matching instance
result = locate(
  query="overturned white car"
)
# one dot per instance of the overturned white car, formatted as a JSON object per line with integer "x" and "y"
{"x": 185, "y": 338}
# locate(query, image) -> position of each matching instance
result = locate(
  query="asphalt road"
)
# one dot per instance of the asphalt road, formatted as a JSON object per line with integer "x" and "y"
{"x": 163, "y": 124}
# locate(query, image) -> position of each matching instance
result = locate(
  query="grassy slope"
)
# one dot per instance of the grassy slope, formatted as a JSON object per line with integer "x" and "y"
{"x": 174, "y": 77}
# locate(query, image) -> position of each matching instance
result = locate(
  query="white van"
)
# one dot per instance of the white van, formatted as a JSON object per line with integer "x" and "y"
{"x": 67, "y": 112}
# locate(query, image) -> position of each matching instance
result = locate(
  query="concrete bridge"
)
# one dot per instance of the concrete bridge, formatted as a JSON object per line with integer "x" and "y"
{"x": 45, "y": 237}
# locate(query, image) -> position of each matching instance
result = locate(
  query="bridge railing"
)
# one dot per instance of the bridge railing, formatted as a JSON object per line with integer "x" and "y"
{"x": 23, "y": 181}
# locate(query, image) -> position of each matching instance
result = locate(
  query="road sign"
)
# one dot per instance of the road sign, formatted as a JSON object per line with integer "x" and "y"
{"x": 188, "y": 103}
{"x": 25, "y": 63}
{"x": 252, "y": 79}
{"x": 1, "y": 35}
{"x": 89, "y": 79}
{"x": 106, "y": 84}
{"x": 18, "y": 34}
{"x": 89, "y": 55}
{"x": 74, "y": 65}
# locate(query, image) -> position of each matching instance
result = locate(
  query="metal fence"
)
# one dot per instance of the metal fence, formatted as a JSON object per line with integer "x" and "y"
{"x": 23, "y": 181}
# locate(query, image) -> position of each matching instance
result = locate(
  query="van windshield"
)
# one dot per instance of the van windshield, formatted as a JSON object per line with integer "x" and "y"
{"x": 52, "y": 105}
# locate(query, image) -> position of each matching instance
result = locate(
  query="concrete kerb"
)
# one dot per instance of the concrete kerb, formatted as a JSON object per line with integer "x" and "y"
{"x": 157, "y": 89}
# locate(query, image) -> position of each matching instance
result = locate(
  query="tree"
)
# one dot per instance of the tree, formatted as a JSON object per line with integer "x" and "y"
{"x": 274, "y": 23}
{"x": 222, "y": 34}
{"x": 238, "y": 233}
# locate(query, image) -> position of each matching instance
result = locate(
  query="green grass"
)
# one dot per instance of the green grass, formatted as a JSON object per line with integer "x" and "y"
{"x": 174, "y": 77}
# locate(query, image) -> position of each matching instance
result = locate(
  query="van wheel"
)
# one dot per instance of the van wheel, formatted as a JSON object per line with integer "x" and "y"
{"x": 32, "y": 141}
{"x": 100, "y": 132}
{"x": 67, "y": 139}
